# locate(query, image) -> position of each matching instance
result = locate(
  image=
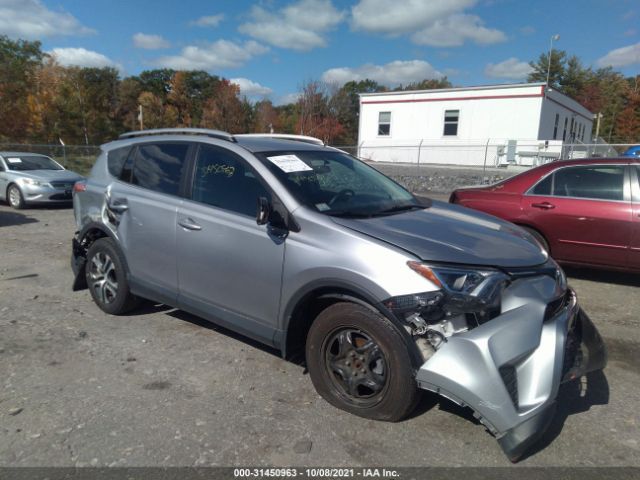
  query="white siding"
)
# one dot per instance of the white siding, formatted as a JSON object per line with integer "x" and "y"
{"x": 495, "y": 114}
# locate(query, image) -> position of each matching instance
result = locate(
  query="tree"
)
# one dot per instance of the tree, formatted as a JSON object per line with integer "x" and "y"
{"x": 127, "y": 111}
{"x": 427, "y": 84}
{"x": 224, "y": 110}
{"x": 43, "y": 115}
{"x": 19, "y": 61}
{"x": 266, "y": 117}
{"x": 157, "y": 82}
{"x": 180, "y": 100}
{"x": 557, "y": 71}
{"x": 153, "y": 110}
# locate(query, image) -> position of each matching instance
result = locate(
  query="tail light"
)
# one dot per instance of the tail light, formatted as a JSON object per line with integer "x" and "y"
{"x": 80, "y": 186}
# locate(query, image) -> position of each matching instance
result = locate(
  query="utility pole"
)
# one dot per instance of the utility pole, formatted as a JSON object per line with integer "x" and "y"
{"x": 555, "y": 37}
{"x": 598, "y": 118}
{"x": 140, "y": 117}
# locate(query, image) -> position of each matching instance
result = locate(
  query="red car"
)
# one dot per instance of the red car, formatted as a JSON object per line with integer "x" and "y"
{"x": 584, "y": 212}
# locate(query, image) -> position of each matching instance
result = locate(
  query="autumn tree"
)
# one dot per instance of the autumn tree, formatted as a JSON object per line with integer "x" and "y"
{"x": 224, "y": 110}
{"x": 266, "y": 118}
{"x": 179, "y": 100}
{"x": 19, "y": 61}
{"x": 129, "y": 90}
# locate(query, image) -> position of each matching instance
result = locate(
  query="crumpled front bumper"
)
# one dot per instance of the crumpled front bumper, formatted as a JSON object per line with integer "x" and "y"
{"x": 509, "y": 369}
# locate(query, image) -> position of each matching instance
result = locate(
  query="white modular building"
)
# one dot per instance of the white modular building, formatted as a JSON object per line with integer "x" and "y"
{"x": 493, "y": 125}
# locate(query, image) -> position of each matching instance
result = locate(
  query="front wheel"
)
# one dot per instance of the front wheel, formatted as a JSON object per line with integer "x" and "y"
{"x": 358, "y": 362}
{"x": 107, "y": 279}
{"x": 14, "y": 195}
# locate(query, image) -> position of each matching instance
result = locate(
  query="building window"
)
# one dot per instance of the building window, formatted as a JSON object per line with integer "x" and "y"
{"x": 451, "y": 122}
{"x": 384, "y": 123}
{"x": 555, "y": 126}
{"x": 564, "y": 132}
{"x": 572, "y": 131}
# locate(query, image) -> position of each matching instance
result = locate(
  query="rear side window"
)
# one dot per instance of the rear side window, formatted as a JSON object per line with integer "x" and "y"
{"x": 598, "y": 182}
{"x": 223, "y": 180}
{"x": 543, "y": 187}
{"x": 159, "y": 166}
{"x": 116, "y": 159}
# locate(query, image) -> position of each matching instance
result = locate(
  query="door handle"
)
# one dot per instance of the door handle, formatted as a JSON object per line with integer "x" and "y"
{"x": 543, "y": 205}
{"x": 189, "y": 224}
{"x": 118, "y": 205}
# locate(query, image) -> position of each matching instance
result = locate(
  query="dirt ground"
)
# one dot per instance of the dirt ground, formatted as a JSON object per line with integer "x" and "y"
{"x": 162, "y": 388}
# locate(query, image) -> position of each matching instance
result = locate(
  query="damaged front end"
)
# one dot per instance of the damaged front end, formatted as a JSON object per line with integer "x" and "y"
{"x": 500, "y": 342}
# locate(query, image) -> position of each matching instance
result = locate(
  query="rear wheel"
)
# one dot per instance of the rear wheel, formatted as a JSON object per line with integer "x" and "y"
{"x": 358, "y": 362}
{"x": 107, "y": 279}
{"x": 14, "y": 195}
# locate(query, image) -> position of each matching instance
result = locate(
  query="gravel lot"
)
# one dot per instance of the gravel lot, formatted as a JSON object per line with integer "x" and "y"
{"x": 160, "y": 387}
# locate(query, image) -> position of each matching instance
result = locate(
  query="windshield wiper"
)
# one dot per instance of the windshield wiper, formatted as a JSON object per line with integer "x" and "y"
{"x": 348, "y": 214}
{"x": 399, "y": 208}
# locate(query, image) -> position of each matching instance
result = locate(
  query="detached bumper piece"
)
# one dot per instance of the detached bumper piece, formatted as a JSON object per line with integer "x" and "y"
{"x": 78, "y": 262}
{"x": 509, "y": 369}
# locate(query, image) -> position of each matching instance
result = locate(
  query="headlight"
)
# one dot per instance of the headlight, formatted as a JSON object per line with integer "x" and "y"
{"x": 31, "y": 181}
{"x": 462, "y": 290}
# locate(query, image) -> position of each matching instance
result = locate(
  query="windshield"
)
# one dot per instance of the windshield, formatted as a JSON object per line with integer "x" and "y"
{"x": 335, "y": 183}
{"x": 31, "y": 162}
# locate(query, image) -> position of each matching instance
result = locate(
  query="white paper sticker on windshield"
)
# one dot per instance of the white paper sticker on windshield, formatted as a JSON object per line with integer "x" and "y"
{"x": 323, "y": 207}
{"x": 289, "y": 163}
{"x": 14, "y": 160}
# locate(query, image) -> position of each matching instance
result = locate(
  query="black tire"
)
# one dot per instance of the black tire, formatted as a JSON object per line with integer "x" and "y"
{"x": 394, "y": 394}
{"x": 15, "y": 197}
{"x": 539, "y": 237}
{"x": 109, "y": 286}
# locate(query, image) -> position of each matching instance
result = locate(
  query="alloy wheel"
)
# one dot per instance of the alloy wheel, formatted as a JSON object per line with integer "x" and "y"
{"x": 14, "y": 196}
{"x": 102, "y": 274}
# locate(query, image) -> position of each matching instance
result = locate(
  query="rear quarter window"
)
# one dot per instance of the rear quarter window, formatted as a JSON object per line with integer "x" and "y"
{"x": 116, "y": 159}
{"x": 543, "y": 187}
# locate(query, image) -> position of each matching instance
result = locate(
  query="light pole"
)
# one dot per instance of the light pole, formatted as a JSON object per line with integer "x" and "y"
{"x": 555, "y": 37}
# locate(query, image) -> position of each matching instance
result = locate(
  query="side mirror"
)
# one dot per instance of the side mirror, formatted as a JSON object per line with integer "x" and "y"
{"x": 263, "y": 212}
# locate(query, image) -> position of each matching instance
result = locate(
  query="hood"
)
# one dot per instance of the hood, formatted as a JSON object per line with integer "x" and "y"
{"x": 453, "y": 234}
{"x": 49, "y": 175}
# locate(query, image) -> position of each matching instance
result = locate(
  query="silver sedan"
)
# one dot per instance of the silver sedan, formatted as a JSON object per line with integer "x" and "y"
{"x": 30, "y": 178}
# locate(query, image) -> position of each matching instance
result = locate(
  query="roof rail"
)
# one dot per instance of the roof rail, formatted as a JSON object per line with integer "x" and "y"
{"x": 179, "y": 131}
{"x": 284, "y": 136}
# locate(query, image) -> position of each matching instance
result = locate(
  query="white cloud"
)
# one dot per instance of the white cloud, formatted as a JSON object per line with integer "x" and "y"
{"x": 287, "y": 99}
{"x": 453, "y": 31}
{"x": 150, "y": 42}
{"x": 208, "y": 21}
{"x": 511, "y": 68}
{"x": 438, "y": 23}
{"x": 621, "y": 57}
{"x": 299, "y": 26}
{"x": 391, "y": 74}
{"x": 212, "y": 56}
{"x": 81, "y": 57}
{"x": 30, "y": 19}
{"x": 404, "y": 16}
{"x": 250, "y": 88}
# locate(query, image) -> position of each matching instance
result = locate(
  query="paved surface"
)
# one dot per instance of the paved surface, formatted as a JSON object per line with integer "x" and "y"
{"x": 160, "y": 387}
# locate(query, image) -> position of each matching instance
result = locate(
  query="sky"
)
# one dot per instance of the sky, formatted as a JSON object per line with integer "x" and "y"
{"x": 271, "y": 47}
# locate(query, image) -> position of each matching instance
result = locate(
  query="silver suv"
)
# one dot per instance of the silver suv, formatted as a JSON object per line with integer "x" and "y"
{"x": 309, "y": 250}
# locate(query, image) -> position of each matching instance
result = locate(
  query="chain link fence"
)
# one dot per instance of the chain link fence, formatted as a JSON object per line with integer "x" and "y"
{"x": 485, "y": 154}
{"x": 79, "y": 158}
{"x": 422, "y": 167}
